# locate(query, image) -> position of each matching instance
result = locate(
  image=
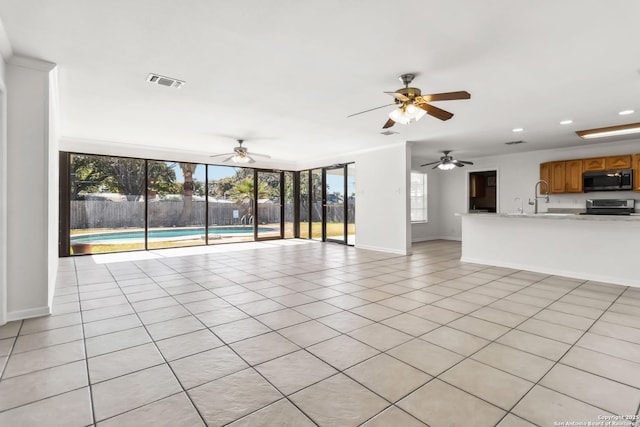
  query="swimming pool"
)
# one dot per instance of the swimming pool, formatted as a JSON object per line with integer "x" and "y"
{"x": 165, "y": 234}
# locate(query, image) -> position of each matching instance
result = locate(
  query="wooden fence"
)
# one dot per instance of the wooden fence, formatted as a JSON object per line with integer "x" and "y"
{"x": 166, "y": 213}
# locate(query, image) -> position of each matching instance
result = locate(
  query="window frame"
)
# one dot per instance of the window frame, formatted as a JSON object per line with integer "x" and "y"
{"x": 424, "y": 196}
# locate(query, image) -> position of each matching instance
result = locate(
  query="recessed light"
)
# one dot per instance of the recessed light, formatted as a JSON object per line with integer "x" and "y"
{"x": 609, "y": 131}
{"x": 566, "y": 122}
{"x": 626, "y": 112}
{"x": 517, "y": 130}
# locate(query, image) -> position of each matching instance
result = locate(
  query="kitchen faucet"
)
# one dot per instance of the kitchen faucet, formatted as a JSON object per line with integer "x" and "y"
{"x": 538, "y": 195}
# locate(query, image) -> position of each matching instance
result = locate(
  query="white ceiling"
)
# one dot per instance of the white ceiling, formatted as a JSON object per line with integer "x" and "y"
{"x": 284, "y": 74}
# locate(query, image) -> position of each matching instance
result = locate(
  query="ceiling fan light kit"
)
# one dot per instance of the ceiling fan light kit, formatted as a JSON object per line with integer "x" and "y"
{"x": 411, "y": 105}
{"x": 407, "y": 114}
{"x": 241, "y": 155}
{"x": 446, "y": 166}
{"x": 240, "y": 158}
{"x": 446, "y": 162}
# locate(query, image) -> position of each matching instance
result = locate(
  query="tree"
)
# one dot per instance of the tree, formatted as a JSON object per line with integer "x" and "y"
{"x": 188, "y": 170}
{"x": 129, "y": 176}
{"x": 86, "y": 176}
{"x": 242, "y": 193}
{"x": 92, "y": 174}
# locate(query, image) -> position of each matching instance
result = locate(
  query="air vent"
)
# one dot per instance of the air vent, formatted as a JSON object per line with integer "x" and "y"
{"x": 165, "y": 81}
{"x": 514, "y": 142}
{"x": 388, "y": 132}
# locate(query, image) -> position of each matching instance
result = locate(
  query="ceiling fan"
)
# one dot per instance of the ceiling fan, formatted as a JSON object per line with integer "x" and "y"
{"x": 241, "y": 154}
{"x": 447, "y": 162}
{"x": 412, "y": 105}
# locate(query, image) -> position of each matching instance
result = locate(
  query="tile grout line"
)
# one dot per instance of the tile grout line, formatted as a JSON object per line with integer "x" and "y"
{"x": 489, "y": 343}
{"x": 537, "y": 383}
{"x": 165, "y": 363}
{"x": 322, "y": 286}
{"x": 13, "y": 345}
{"x": 84, "y": 348}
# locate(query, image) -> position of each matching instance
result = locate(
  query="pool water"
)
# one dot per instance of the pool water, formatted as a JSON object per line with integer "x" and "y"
{"x": 171, "y": 233}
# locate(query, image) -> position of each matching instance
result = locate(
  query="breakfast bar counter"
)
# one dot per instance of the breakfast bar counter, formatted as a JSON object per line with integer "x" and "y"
{"x": 603, "y": 248}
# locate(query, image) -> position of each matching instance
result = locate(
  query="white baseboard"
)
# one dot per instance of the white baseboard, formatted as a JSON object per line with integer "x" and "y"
{"x": 28, "y": 313}
{"x": 431, "y": 238}
{"x": 379, "y": 249}
{"x": 555, "y": 272}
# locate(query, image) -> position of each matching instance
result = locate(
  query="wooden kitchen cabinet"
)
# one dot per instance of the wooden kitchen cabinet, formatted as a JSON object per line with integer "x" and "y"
{"x": 618, "y": 162}
{"x": 565, "y": 176}
{"x": 554, "y": 174}
{"x": 573, "y": 176}
{"x": 557, "y": 182}
{"x": 593, "y": 164}
{"x": 545, "y": 173}
{"x": 636, "y": 171}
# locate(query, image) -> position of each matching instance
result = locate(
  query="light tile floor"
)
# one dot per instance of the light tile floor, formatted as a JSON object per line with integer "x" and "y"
{"x": 300, "y": 333}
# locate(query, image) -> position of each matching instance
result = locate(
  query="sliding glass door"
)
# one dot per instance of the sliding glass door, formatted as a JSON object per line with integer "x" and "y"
{"x": 112, "y": 204}
{"x": 269, "y": 204}
{"x": 316, "y": 208}
{"x": 335, "y": 204}
{"x": 327, "y": 204}
{"x": 305, "y": 197}
{"x": 351, "y": 204}
{"x": 229, "y": 204}
{"x": 176, "y": 204}
{"x": 106, "y": 204}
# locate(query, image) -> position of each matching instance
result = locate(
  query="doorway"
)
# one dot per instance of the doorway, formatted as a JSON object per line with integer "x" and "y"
{"x": 326, "y": 209}
{"x": 483, "y": 190}
{"x": 334, "y": 208}
{"x": 339, "y": 203}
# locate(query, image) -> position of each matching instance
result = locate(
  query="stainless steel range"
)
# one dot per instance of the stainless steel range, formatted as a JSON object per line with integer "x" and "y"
{"x": 610, "y": 207}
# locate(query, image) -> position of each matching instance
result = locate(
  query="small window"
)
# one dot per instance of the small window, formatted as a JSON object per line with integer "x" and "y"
{"x": 418, "y": 197}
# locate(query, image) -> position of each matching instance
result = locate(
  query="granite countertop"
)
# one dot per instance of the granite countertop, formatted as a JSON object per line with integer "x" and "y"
{"x": 562, "y": 216}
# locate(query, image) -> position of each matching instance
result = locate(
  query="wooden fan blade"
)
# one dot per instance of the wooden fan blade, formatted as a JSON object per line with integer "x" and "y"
{"x": 466, "y": 163}
{"x": 228, "y": 158}
{"x": 224, "y": 154}
{"x": 428, "y": 164}
{"x": 446, "y": 96}
{"x": 457, "y": 163}
{"x": 436, "y": 112}
{"x": 398, "y": 96}
{"x": 251, "y": 160}
{"x": 366, "y": 111}
{"x": 388, "y": 124}
{"x": 435, "y": 166}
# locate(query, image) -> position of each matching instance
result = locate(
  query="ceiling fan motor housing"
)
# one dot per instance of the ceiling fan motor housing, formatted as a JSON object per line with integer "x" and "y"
{"x": 410, "y": 92}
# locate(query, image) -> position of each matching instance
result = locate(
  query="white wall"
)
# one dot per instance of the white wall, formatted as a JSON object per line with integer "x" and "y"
{"x": 382, "y": 205}
{"x": 3, "y": 194}
{"x": 32, "y": 192}
{"x": 517, "y": 175}
{"x": 53, "y": 179}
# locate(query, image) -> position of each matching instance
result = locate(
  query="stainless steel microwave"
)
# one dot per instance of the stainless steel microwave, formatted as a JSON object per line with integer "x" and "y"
{"x": 612, "y": 180}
